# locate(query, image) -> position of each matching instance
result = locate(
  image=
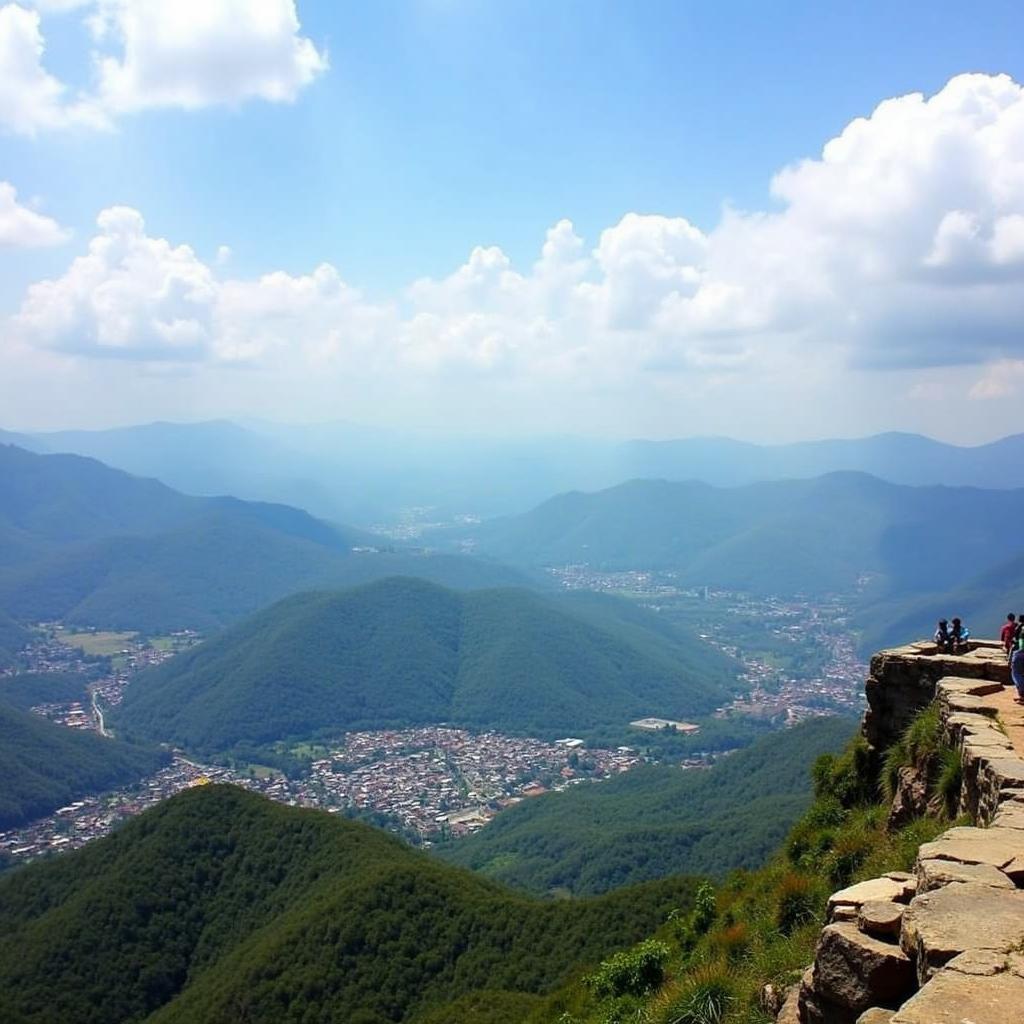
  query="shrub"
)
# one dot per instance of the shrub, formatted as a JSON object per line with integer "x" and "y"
{"x": 798, "y": 902}
{"x": 631, "y": 972}
{"x": 705, "y": 908}
{"x": 949, "y": 777}
{"x": 704, "y": 999}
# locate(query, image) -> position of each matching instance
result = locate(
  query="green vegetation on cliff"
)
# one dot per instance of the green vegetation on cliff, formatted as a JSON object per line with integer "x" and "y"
{"x": 762, "y": 927}
{"x": 44, "y": 766}
{"x": 218, "y": 906}
{"x": 403, "y": 652}
{"x": 655, "y": 821}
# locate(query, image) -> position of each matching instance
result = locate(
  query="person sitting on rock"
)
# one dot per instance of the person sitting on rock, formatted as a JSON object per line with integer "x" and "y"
{"x": 959, "y": 634}
{"x": 942, "y": 638}
{"x": 1008, "y": 634}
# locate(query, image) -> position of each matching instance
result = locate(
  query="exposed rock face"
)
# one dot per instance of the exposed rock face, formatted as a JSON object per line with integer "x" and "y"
{"x": 902, "y": 681}
{"x": 910, "y": 800}
{"x": 947, "y": 944}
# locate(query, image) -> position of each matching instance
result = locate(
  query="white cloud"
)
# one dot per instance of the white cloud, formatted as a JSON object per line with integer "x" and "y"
{"x": 31, "y": 99}
{"x": 155, "y": 53}
{"x": 24, "y": 228}
{"x": 901, "y": 245}
{"x": 198, "y": 53}
{"x": 129, "y": 296}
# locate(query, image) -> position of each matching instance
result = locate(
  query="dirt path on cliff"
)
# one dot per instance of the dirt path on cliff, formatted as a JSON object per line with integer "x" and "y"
{"x": 1011, "y": 715}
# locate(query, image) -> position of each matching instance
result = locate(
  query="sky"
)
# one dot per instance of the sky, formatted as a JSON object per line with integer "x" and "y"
{"x": 767, "y": 221}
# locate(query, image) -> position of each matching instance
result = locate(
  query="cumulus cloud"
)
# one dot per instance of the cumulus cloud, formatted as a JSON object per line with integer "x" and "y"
{"x": 198, "y": 53}
{"x": 24, "y": 228}
{"x": 151, "y": 53}
{"x": 900, "y": 245}
{"x": 31, "y": 99}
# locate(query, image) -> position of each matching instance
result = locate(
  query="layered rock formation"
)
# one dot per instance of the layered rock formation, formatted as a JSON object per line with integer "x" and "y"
{"x": 946, "y": 944}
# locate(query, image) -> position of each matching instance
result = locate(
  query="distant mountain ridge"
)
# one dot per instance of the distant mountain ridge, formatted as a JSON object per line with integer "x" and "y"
{"x": 96, "y": 546}
{"x": 406, "y": 652}
{"x": 788, "y": 536}
{"x": 361, "y": 474}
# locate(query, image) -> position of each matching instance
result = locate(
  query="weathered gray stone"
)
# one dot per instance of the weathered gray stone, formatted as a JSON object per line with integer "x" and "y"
{"x": 940, "y": 925}
{"x": 969, "y": 704}
{"x": 934, "y": 874}
{"x": 975, "y": 988}
{"x": 884, "y": 888}
{"x": 858, "y": 971}
{"x": 881, "y": 918}
{"x": 790, "y": 1010}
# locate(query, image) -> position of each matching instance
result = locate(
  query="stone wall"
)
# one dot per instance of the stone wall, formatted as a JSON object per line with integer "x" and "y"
{"x": 945, "y": 944}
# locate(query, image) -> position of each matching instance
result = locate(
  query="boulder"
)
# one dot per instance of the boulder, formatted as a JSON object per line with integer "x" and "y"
{"x": 1009, "y": 815}
{"x": 934, "y": 874}
{"x": 881, "y": 918}
{"x": 858, "y": 971}
{"x": 940, "y": 925}
{"x": 876, "y": 1015}
{"x": 975, "y": 987}
{"x": 884, "y": 888}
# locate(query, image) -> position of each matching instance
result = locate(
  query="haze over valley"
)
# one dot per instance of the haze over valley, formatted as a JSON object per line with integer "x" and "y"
{"x": 509, "y": 513}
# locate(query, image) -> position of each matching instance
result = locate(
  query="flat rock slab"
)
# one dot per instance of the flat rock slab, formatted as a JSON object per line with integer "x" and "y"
{"x": 886, "y": 888}
{"x": 858, "y": 971}
{"x": 939, "y": 925}
{"x": 1003, "y": 848}
{"x": 965, "y": 702}
{"x": 1009, "y": 815}
{"x": 881, "y": 918}
{"x": 973, "y": 687}
{"x": 934, "y": 874}
{"x": 975, "y": 988}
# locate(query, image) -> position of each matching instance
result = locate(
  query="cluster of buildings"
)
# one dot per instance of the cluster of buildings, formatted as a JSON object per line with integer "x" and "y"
{"x": 438, "y": 780}
{"x": 432, "y": 781}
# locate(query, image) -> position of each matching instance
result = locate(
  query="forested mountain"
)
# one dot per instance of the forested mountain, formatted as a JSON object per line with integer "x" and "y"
{"x": 44, "y": 766}
{"x": 786, "y": 536}
{"x": 218, "y": 906}
{"x": 363, "y": 474}
{"x": 26, "y": 690}
{"x": 95, "y": 546}
{"x": 13, "y": 638}
{"x": 655, "y": 821}
{"x": 403, "y": 651}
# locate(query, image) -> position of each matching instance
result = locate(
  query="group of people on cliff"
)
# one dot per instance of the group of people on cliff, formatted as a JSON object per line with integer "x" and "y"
{"x": 952, "y": 637}
{"x": 1012, "y": 636}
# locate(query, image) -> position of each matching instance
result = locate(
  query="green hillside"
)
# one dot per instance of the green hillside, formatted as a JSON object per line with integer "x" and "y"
{"x": 218, "y": 906}
{"x": 12, "y": 638}
{"x": 782, "y": 537}
{"x": 655, "y": 821}
{"x": 402, "y": 652}
{"x": 95, "y": 546}
{"x": 27, "y": 689}
{"x": 45, "y": 766}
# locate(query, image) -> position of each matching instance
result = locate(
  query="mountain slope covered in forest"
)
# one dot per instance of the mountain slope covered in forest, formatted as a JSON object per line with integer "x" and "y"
{"x": 403, "y": 652}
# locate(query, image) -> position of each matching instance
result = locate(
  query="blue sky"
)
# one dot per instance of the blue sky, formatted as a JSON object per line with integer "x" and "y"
{"x": 419, "y": 130}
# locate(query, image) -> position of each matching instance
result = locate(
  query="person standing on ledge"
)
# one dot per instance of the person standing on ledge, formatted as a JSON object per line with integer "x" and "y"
{"x": 1008, "y": 633}
{"x": 1017, "y": 673}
